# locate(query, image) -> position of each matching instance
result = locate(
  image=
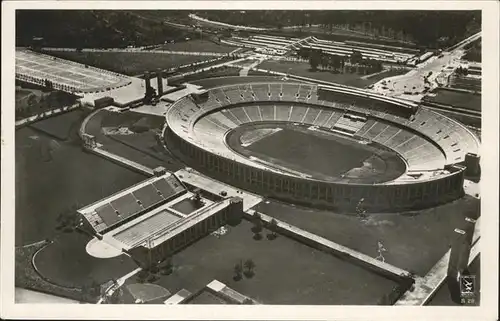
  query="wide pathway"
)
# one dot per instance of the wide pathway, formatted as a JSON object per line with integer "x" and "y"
{"x": 412, "y": 84}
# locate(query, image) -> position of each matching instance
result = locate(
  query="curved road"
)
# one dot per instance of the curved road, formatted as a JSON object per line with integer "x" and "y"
{"x": 413, "y": 82}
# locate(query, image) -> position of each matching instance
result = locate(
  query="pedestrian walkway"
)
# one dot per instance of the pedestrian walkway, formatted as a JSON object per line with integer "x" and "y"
{"x": 121, "y": 160}
{"x": 196, "y": 179}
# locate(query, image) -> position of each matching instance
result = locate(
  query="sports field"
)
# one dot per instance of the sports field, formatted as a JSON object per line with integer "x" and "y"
{"x": 130, "y": 63}
{"x": 301, "y": 151}
{"x": 414, "y": 241}
{"x": 456, "y": 99}
{"x": 324, "y": 156}
{"x": 286, "y": 272}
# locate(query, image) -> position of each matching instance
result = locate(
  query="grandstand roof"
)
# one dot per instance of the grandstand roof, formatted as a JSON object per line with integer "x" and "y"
{"x": 123, "y": 205}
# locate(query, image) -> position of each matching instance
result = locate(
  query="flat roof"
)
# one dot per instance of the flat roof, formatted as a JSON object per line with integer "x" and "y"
{"x": 158, "y": 220}
{"x": 188, "y": 222}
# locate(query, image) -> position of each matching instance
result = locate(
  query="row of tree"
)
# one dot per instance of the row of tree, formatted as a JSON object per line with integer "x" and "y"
{"x": 461, "y": 71}
{"x": 258, "y": 226}
{"x": 246, "y": 269}
{"x": 473, "y": 52}
{"x": 425, "y": 28}
{"x": 318, "y": 58}
{"x": 93, "y": 29}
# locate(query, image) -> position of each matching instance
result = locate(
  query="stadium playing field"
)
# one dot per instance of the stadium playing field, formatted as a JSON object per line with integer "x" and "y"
{"x": 321, "y": 155}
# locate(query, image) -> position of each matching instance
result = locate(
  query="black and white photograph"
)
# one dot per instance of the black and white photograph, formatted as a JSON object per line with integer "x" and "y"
{"x": 322, "y": 155}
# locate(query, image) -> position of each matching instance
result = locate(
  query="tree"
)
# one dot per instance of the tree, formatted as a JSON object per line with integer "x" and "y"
{"x": 198, "y": 200}
{"x": 167, "y": 266}
{"x": 91, "y": 291}
{"x": 337, "y": 62}
{"x": 360, "y": 210}
{"x": 249, "y": 266}
{"x": 273, "y": 225}
{"x": 69, "y": 219}
{"x": 116, "y": 297}
{"x": 257, "y": 228}
{"x": 238, "y": 270}
{"x": 315, "y": 59}
{"x": 149, "y": 95}
{"x": 142, "y": 275}
{"x": 356, "y": 57}
{"x": 48, "y": 84}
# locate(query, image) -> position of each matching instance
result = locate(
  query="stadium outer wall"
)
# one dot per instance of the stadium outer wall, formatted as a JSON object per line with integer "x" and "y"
{"x": 340, "y": 197}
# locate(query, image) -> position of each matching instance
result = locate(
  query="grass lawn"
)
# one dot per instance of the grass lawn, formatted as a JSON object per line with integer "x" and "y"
{"x": 66, "y": 262}
{"x": 456, "y": 99}
{"x": 290, "y": 148}
{"x": 26, "y": 276}
{"x": 140, "y": 147}
{"x": 62, "y": 127}
{"x": 53, "y": 174}
{"x": 303, "y": 69}
{"x": 198, "y": 45}
{"x": 414, "y": 243}
{"x": 130, "y": 63}
{"x": 286, "y": 272}
{"x": 317, "y": 153}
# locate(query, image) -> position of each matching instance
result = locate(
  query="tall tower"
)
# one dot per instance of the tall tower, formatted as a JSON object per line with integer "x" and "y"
{"x": 459, "y": 257}
{"x": 148, "y": 81}
{"x": 159, "y": 79}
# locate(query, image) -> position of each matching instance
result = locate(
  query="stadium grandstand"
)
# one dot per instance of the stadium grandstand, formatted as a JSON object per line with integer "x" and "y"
{"x": 282, "y": 45}
{"x": 65, "y": 75}
{"x": 417, "y": 154}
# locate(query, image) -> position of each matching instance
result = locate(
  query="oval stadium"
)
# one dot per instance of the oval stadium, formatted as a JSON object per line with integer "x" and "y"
{"x": 322, "y": 146}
